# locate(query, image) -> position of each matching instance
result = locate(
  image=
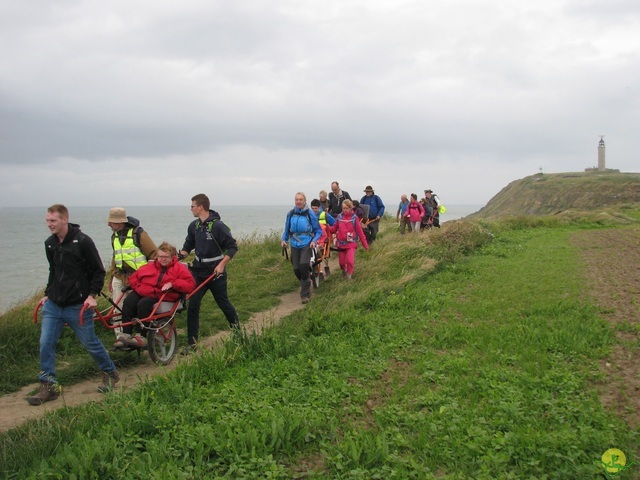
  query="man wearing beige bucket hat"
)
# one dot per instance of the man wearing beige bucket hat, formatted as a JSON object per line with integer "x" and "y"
{"x": 132, "y": 248}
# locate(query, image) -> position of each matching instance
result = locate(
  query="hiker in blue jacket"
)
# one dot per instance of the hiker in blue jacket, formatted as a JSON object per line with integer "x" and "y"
{"x": 302, "y": 231}
{"x": 376, "y": 211}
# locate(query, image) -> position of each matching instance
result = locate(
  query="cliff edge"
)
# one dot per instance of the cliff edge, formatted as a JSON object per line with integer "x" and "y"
{"x": 555, "y": 193}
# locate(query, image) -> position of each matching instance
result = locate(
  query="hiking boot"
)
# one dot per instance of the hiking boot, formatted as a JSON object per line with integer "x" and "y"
{"x": 189, "y": 349}
{"x": 122, "y": 341}
{"x": 305, "y": 300}
{"x": 137, "y": 341}
{"x": 327, "y": 272}
{"x": 109, "y": 381}
{"x": 48, "y": 391}
{"x": 348, "y": 276}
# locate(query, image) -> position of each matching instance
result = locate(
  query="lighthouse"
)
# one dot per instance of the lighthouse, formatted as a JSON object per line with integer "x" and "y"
{"x": 601, "y": 164}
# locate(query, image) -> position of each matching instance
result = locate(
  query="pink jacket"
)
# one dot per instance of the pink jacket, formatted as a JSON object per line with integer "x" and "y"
{"x": 415, "y": 211}
{"x": 348, "y": 232}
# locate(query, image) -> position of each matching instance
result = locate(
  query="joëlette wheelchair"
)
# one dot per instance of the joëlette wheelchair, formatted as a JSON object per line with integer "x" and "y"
{"x": 159, "y": 326}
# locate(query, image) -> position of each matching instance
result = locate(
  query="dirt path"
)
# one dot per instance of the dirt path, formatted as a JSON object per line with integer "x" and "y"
{"x": 14, "y": 409}
{"x": 612, "y": 268}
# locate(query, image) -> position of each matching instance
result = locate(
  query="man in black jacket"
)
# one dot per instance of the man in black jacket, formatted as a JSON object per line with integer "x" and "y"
{"x": 76, "y": 277}
{"x": 336, "y": 197}
{"x": 214, "y": 247}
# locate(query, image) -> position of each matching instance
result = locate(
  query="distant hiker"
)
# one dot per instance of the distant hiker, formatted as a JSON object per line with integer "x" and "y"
{"x": 76, "y": 277}
{"x": 348, "y": 231}
{"x": 336, "y": 197}
{"x": 302, "y": 231}
{"x": 434, "y": 202}
{"x": 132, "y": 248}
{"x": 427, "y": 218}
{"x": 163, "y": 276}
{"x": 401, "y": 214}
{"x": 214, "y": 247}
{"x": 414, "y": 214}
{"x": 376, "y": 212}
{"x": 324, "y": 201}
{"x": 325, "y": 219}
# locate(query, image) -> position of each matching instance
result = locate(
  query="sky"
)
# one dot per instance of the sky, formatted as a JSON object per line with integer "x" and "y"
{"x": 127, "y": 103}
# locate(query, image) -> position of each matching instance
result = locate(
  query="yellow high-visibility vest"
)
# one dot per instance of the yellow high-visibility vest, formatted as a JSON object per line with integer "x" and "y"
{"x": 128, "y": 253}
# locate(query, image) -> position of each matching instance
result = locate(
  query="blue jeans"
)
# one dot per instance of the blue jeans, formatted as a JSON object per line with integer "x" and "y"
{"x": 53, "y": 319}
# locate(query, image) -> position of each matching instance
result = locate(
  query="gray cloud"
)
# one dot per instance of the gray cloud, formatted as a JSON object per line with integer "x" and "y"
{"x": 455, "y": 89}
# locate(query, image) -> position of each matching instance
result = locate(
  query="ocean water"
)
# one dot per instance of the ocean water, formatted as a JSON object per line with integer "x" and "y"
{"x": 24, "y": 268}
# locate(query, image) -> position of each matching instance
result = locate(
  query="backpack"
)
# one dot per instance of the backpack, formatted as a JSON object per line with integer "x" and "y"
{"x": 209, "y": 225}
{"x": 352, "y": 233}
{"x": 305, "y": 213}
{"x": 441, "y": 208}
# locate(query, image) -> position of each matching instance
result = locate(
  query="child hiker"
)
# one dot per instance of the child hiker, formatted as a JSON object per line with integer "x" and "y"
{"x": 348, "y": 232}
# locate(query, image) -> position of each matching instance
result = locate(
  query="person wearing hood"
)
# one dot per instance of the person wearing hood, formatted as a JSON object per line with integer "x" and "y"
{"x": 76, "y": 277}
{"x": 214, "y": 247}
{"x": 163, "y": 276}
{"x": 302, "y": 231}
{"x": 132, "y": 249}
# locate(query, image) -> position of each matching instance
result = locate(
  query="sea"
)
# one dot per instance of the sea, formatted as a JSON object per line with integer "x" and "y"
{"x": 24, "y": 268}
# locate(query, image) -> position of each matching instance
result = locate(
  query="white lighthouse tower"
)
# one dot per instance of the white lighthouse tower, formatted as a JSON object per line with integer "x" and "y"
{"x": 601, "y": 159}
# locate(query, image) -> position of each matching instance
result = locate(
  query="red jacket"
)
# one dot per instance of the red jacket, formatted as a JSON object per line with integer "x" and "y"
{"x": 348, "y": 232}
{"x": 149, "y": 279}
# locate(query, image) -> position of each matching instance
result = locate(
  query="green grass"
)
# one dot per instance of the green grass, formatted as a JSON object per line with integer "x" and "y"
{"x": 466, "y": 353}
{"x": 256, "y": 270}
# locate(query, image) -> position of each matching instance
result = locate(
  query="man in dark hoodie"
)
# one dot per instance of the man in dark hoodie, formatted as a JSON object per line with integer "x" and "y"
{"x": 132, "y": 248}
{"x": 214, "y": 247}
{"x": 76, "y": 277}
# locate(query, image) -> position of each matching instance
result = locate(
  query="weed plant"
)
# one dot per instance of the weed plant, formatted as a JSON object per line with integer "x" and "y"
{"x": 439, "y": 360}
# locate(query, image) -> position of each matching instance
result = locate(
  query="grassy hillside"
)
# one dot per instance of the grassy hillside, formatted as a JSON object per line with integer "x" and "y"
{"x": 592, "y": 193}
{"x": 451, "y": 355}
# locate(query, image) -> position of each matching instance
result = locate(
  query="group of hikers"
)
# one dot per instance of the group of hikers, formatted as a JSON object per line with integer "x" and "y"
{"x": 415, "y": 216}
{"x": 333, "y": 220}
{"x": 142, "y": 274}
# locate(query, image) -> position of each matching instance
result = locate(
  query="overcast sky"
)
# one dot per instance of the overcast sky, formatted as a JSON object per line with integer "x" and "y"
{"x": 150, "y": 102}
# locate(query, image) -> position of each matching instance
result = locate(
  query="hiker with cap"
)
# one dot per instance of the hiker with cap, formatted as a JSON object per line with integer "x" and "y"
{"x": 132, "y": 249}
{"x": 432, "y": 200}
{"x": 376, "y": 211}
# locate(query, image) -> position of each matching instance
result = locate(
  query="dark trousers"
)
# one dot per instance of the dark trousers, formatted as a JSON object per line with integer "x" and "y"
{"x": 218, "y": 288}
{"x": 373, "y": 230}
{"x": 404, "y": 223}
{"x": 300, "y": 259}
{"x": 136, "y": 306}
